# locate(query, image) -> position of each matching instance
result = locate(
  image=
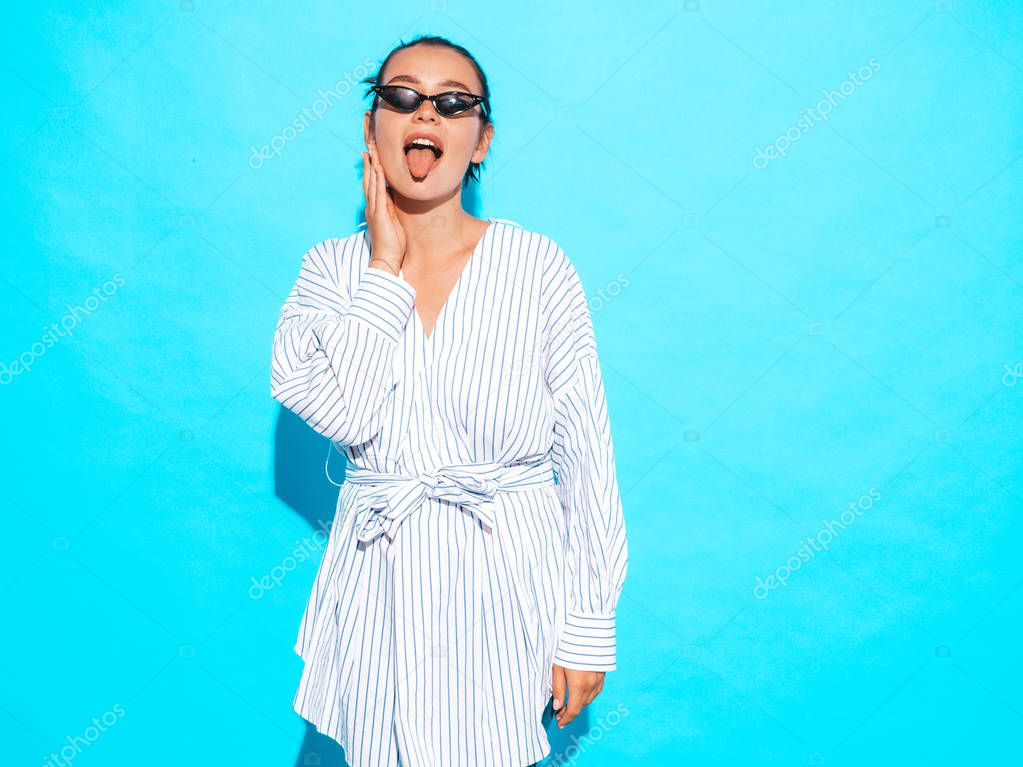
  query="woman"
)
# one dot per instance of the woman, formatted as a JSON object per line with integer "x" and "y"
{"x": 454, "y": 359}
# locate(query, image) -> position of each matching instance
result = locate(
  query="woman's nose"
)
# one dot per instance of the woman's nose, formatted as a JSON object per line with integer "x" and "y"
{"x": 426, "y": 111}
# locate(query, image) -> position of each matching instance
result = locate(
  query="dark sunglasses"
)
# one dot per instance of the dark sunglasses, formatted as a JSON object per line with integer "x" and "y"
{"x": 448, "y": 103}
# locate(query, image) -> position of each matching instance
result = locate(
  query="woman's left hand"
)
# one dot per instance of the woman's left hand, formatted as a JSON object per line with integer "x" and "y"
{"x": 582, "y": 688}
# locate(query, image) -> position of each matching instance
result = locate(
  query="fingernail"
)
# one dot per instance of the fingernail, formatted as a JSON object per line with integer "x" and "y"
{"x": 557, "y": 703}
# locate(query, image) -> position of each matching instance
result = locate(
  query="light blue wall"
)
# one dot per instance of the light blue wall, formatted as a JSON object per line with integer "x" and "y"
{"x": 835, "y": 323}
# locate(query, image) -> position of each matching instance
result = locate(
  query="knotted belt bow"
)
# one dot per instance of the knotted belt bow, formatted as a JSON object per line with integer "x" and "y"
{"x": 390, "y": 498}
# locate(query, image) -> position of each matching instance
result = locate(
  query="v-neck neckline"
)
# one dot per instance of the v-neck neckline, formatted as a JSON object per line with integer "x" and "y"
{"x": 428, "y": 337}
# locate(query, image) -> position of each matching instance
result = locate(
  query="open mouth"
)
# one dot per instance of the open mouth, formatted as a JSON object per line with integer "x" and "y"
{"x": 420, "y": 156}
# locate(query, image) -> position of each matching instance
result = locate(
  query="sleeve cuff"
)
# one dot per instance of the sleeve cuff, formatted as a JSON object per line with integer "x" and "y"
{"x": 588, "y": 642}
{"x": 383, "y": 301}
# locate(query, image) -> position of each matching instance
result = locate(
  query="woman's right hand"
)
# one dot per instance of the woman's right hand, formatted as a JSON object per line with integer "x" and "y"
{"x": 386, "y": 233}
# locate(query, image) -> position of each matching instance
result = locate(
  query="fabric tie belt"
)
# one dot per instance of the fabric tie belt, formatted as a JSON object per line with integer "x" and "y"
{"x": 390, "y": 498}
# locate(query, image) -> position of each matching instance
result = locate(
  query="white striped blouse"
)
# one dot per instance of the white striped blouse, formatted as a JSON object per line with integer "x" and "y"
{"x": 457, "y": 571}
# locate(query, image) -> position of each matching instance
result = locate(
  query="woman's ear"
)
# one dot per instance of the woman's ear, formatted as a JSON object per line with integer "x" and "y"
{"x": 483, "y": 145}
{"x": 367, "y": 126}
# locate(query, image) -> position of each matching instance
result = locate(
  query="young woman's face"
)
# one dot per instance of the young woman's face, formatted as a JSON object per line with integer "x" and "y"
{"x": 419, "y": 174}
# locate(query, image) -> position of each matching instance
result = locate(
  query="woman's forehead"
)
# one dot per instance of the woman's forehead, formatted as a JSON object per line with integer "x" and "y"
{"x": 431, "y": 67}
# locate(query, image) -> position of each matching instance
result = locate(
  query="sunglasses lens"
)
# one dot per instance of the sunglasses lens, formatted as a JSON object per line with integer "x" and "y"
{"x": 453, "y": 104}
{"x": 400, "y": 98}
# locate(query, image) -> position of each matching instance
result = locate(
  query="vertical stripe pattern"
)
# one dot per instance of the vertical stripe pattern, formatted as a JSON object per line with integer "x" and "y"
{"x": 479, "y": 536}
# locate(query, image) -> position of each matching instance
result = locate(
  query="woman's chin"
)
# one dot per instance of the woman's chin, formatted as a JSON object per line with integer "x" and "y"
{"x": 422, "y": 190}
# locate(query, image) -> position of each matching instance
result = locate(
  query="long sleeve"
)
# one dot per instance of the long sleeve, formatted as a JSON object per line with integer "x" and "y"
{"x": 333, "y": 358}
{"x": 583, "y": 455}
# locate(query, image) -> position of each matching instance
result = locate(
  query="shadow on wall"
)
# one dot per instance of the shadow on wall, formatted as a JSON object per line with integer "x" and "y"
{"x": 300, "y": 481}
{"x": 318, "y": 750}
{"x": 299, "y": 477}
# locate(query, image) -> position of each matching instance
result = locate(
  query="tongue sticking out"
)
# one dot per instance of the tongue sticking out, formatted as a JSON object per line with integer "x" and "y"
{"x": 420, "y": 161}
